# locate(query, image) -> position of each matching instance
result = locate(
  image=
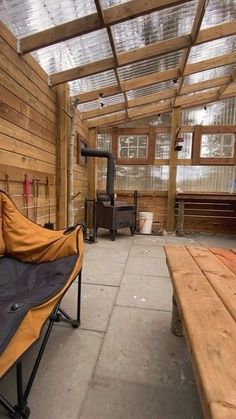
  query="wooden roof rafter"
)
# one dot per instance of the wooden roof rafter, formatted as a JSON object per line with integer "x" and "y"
{"x": 229, "y": 87}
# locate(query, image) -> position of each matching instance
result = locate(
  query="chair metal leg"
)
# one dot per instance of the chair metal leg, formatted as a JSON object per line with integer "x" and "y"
{"x": 22, "y": 410}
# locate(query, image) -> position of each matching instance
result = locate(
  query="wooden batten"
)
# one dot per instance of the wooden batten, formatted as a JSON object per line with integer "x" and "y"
{"x": 135, "y": 8}
{"x": 156, "y": 49}
{"x": 219, "y": 61}
{"x": 175, "y": 125}
{"x": 80, "y": 172}
{"x": 59, "y": 33}
{"x": 106, "y": 91}
{"x": 82, "y": 71}
{"x": 63, "y": 122}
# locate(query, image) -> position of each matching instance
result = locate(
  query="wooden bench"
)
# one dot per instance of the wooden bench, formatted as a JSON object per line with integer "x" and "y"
{"x": 204, "y": 298}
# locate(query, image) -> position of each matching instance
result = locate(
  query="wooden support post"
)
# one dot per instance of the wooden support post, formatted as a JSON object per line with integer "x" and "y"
{"x": 63, "y": 124}
{"x": 92, "y": 165}
{"x": 180, "y": 221}
{"x": 172, "y": 170}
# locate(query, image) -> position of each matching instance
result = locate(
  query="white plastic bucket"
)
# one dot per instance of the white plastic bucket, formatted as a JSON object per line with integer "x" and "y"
{"x": 145, "y": 222}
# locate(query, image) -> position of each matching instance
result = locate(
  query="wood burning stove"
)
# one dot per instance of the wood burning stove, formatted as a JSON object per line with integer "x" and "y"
{"x": 111, "y": 214}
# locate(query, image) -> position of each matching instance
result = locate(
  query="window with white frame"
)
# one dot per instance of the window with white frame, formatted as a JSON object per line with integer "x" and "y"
{"x": 104, "y": 142}
{"x": 217, "y": 145}
{"x": 163, "y": 141}
{"x": 132, "y": 146}
{"x": 162, "y": 150}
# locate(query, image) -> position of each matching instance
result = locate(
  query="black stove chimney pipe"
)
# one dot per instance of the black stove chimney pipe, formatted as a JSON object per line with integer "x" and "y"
{"x": 93, "y": 152}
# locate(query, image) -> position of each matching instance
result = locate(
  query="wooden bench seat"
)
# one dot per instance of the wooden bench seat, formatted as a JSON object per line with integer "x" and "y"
{"x": 204, "y": 288}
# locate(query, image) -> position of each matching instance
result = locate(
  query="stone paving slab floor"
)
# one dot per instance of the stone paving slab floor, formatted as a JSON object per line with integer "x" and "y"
{"x": 123, "y": 362}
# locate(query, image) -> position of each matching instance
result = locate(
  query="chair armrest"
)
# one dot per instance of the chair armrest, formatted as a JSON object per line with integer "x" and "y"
{"x": 29, "y": 242}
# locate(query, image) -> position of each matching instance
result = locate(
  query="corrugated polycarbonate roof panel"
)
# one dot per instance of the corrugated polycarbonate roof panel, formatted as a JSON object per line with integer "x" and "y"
{"x": 94, "y": 82}
{"x": 209, "y": 74}
{"x": 157, "y": 26}
{"x": 212, "y": 49}
{"x": 107, "y": 101}
{"x": 26, "y": 17}
{"x": 218, "y": 113}
{"x": 152, "y": 65}
{"x": 219, "y": 11}
{"x": 109, "y": 3}
{"x": 144, "y": 91}
{"x": 82, "y": 50}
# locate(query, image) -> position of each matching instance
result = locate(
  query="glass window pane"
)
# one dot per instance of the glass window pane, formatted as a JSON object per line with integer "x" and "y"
{"x": 142, "y": 142}
{"x": 124, "y": 153}
{"x": 132, "y": 152}
{"x": 186, "y": 152}
{"x": 227, "y": 152}
{"x": 163, "y": 146}
{"x": 133, "y": 141}
{"x": 217, "y": 145}
{"x": 142, "y": 152}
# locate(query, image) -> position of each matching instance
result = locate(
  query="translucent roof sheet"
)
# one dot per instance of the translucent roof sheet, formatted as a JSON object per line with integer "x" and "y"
{"x": 150, "y": 66}
{"x": 82, "y": 50}
{"x": 219, "y": 11}
{"x": 109, "y": 3}
{"x": 209, "y": 74}
{"x": 107, "y": 101}
{"x": 144, "y": 91}
{"x": 150, "y": 28}
{"x": 223, "y": 112}
{"x": 212, "y": 49}
{"x": 94, "y": 82}
{"x": 25, "y": 17}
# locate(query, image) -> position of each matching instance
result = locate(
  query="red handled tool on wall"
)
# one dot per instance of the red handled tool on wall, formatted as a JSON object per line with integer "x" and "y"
{"x": 48, "y": 225}
{"x": 27, "y": 194}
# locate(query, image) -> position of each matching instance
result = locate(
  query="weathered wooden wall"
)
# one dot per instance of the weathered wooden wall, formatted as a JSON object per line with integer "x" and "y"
{"x": 27, "y": 127}
{"x": 80, "y": 183}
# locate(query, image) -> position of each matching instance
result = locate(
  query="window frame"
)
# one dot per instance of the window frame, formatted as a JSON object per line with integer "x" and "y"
{"x": 200, "y": 130}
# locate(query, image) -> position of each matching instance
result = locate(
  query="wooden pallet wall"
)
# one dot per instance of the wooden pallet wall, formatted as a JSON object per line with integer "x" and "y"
{"x": 27, "y": 127}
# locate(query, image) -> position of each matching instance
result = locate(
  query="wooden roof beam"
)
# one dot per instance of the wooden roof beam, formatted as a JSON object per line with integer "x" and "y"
{"x": 82, "y": 71}
{"x": 215, "y": 62}
{"x": 59, "y": 33}
{"x": 229, "y": 85}
{"x": 93, "y": 95}
{"x": 206, "y": 84}
{"x": 135, "y": 8}
{"x": 91, "y": 22}
{"x": 103, "y": 111}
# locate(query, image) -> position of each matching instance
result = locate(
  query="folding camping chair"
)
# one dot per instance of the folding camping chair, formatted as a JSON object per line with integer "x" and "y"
{"x": 37, "y": 266}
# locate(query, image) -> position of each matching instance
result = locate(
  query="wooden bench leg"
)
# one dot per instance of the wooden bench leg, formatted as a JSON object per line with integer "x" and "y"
{"x": 180, "y": 220}
{"x": 176, "y": 322}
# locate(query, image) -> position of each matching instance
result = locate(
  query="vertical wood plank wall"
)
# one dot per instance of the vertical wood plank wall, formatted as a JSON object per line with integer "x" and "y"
{"x": 27, "y": 127}
{"x": 80, "y": 174}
